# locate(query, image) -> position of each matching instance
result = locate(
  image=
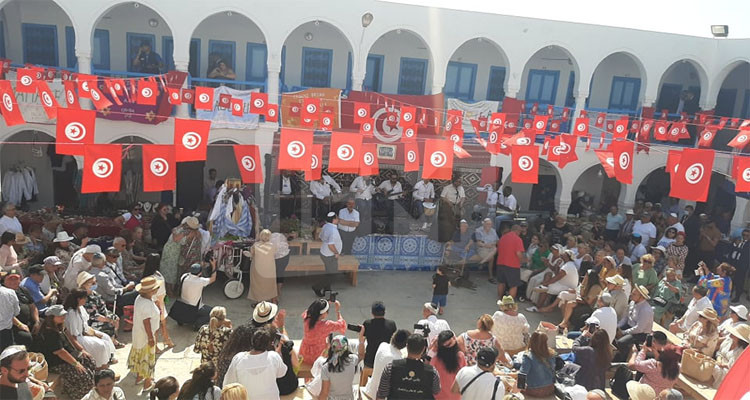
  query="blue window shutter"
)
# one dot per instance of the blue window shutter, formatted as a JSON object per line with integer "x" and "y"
{"x": 374, "y": 73}
{"x": 225, "y": 50}
{"x": 70, "y": 47}
{"x": 624, "y": 93}
{"x": 541, "y": 86}
{"x": 349, "y": 71}
{"x": 256, "y": 63}
{"x": 460, "y": 79}
{"x": 39, "y": 44}
{"x": 496, "y": 83}
{"x": 101, "y": 49}
{"x": 2, "y": 40}
{"x": 316, "y": 67}
{"x": 412, "y": 76}
{"x": 167, "y": 47}
{"x": 133, "y": 41}
{"x": 570, "y": 99}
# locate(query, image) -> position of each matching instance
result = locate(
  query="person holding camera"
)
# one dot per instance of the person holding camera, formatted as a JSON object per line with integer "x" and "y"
{"x": 387, "y": 352}
{"x": 189, "y": 308}
{"x": 409, "y": 378}
{"x": 258, "y": 369}
{"x": 317, "y": 328}
{"x": 430, "y": 326}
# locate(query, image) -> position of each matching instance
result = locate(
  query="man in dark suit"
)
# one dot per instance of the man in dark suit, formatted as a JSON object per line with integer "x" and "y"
{"x": 289, "y": 193}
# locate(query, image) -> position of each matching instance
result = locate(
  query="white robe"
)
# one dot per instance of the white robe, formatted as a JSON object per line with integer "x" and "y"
{"x": 76, "y": 322}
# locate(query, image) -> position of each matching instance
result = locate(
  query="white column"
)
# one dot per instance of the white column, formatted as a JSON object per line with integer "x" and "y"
{"x": 580, "y": 105}
{"x": 741, "y": 213}
{"x": 437, "y": 88}
{"x": 358, "y": 81}
{"x": 84, "y": 67}
{"x": 183, "y": 110}
{"x": 273, "y": 83}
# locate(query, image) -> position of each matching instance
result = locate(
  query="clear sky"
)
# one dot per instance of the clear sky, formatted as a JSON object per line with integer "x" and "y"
{"x": 687, "y": 17}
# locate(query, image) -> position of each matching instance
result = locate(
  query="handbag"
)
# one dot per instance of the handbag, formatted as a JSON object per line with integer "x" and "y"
{"x": 697, "y": 365}
{"x": 39, "y": 368}
{"x": 551, "y": 331}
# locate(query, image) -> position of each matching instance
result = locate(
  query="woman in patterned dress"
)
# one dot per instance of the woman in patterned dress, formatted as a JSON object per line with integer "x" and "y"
{"x": 100, "y": 318}
{"x": 719, "y": 286}
{"x": 181, "y": 250}
{"x": 212, "y": 336}
{"x": 146, "y": 319}
{"x": 472, "y": 340}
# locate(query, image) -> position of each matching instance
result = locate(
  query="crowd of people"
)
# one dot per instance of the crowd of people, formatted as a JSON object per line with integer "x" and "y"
{"x": 611, "y": 276}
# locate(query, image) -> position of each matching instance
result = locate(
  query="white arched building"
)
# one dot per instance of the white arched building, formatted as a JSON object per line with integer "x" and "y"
{"x": 468, "y": 55}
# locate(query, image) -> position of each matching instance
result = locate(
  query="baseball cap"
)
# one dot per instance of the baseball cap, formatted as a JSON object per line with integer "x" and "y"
{"x": 195, "y": 269}
{"x": 56, "y": 310}
{"x": 486, "y": 356}
{"x": 378, "y": 308}
{"x": 14, "y": 271}
{"x": 52, "y": 260}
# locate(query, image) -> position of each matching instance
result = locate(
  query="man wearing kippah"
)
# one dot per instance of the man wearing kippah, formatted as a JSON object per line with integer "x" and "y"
{"x": 329, "y": 253}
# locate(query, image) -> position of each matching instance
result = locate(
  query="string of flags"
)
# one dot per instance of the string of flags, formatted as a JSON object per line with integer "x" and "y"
{"x": 506, "y": 134}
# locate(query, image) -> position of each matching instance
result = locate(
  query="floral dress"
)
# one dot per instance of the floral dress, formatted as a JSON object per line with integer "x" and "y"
{"x": 96, "y": 307}
{"x": 719, "y": 290}
{"x": 473, "y": 346}
{"x": 178, "y": 256}
{"x": 209, "y": 344}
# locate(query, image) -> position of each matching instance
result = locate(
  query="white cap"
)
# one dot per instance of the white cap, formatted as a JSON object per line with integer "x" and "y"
{"x": 93, "y": 248}
{"x": 432, "y": 307}
{"x": 10, "y": 350}
{"x": 592, "y": 320}
{"x": 629, "y": 212}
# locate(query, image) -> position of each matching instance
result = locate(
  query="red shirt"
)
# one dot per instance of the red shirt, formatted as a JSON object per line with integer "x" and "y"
{"x": 507, "y": 250}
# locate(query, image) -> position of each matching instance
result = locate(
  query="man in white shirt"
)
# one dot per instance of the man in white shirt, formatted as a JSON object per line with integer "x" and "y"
{"x": 477, "y": 382}
{"x": 507, "y": 205}
{"x": 191, "y": 294}
{"x": 329, "y": 253}
{"x": 430, "y": 319}
{"x": 348, "y": 223}
{"x": 363, "y": 190}
{"x": 646, "y": 229}
{"x": 606, "y": 315}
{"x": 386, "y": 353}
{"x": 81, "y": 261}
{"x": 9, "y": 222}
{"x": 391, "y": 188}
{"x": 424, "y": 192}
{"x": 493, "y": 194}
{"x": 321, "y": 192}
{"x": 698, "y": 303}
{"x": 454, "y": 193}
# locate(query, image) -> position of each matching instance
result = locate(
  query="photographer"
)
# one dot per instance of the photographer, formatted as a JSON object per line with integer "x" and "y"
{"x": 377, "y": 330}
{"x": 189, "y": 308}
{"x": 409, "y": 378}
{"x": 431, "y": 322}
{"x": 317, "y": 328}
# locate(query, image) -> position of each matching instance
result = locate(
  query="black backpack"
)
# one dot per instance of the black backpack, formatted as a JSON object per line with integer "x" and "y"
{"x": 618, "y": 383}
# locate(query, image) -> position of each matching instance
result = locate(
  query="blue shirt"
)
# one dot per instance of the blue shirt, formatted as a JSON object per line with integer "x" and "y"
{"x": 36, "y": 293}
{"x": 614, "y": 222}
{"x": 538, "y": 373}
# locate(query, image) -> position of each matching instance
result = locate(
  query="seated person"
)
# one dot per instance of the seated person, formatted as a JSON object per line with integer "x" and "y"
{"x": 699, "y": 302}
{"x": 31, "y": 283}
{"x": 644, "y": 273}
{"x": 636, "y": 325}
{"x": 485, "y": 240}
{"x": 537, "y": 252}
{"x": 703, "y": 335}
{"x": 737, "y": 317}
{"x": 461, "y": 247}
{"x": 565, "y": 279}
{"x": 222, "y": 71}
{"x": 730, "y": 350}
{"x": 660, "y": 372}
{"x": 552, "y": 262}
{"x": 110, "y": 289}
{"x": 579, "y": 301}
{"x": 538, "y": 365}
{"x": 667, "y": 295}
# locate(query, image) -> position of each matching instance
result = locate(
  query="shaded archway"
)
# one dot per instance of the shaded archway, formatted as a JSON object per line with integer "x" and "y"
{"x": 477, "y": 70}
{"x": 550, "y": 77}
{"x": 399, "y": 62}
{"x": 131, "y": 186}
{"x": 733, "y": 98}
{"x": 144, "y": 26}
{"x": 599, "y": 190}
{"x": 680, "y": 87}
{"x": 35, "y": 150}
{"x": 242, "y": 48}
{"x": 542, "y": 196}
{"x": 656, "y": 185}
{"x": 316, "y": 54}
{"x": 220, "y": 156}
{"x": 41, "y": 28}
{"x": 617, "y": 83}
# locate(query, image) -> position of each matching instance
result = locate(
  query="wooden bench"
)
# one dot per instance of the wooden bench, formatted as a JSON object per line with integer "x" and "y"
{"x": 687, "y": 385}
{"x": 307, "y": 264}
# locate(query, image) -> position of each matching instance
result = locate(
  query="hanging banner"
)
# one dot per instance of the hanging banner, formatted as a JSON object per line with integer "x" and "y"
{"x": 291, "y": 104}
{"x": 223, "y": 117}
{"x": 472, "y": 111}
{"x": 129, "y": 110}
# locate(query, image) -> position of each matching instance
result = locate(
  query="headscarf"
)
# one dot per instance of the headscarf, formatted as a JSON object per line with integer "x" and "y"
{"x": 339, "y": 345}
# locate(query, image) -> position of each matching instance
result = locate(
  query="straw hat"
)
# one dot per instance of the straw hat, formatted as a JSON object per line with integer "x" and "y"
{"x": 83, "y": 277}
{"x": 643, "y": 291}
{"x": 709, "y": 314}
{"x": 21, "y": 239}
{"x": 62, "y": 237}
{"x": 506, "y": 302}
{"x": 611, "y": 260}
{"x": 640, "y": 391}
{"x": 192, "y": 222}
{"x": 616, "y": 280}
{"x": 264, "y": 312}
{"x": 741, "y": 331}
{"x": 147, "y": 284}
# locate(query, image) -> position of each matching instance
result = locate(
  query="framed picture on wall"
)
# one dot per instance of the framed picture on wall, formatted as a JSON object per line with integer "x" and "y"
{"x": 387, "y": 151}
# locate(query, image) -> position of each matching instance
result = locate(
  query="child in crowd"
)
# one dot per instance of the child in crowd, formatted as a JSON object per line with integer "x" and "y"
{"x": 440, "y": 285}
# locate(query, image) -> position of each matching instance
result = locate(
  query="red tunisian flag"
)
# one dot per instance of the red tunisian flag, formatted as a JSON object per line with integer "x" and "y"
{"x": 159, "y": 167}
{"x": 71, "y": 98}
{"x": 566, "y": 150}
{"x": 361, "y": 112}
{"x": 237, "y": 106}
{"x": 438, "y": 159}
{"x": 315, "y": 169}
{"x": 673, "y": 135}
{"x": 204, "y": 98}
{"x": 408, "y": 117}
{"x": 621, "y": 128}
{"x": 660, "y": 130}
{"x": 310, "y": 109}
{"x": 147, "y": 92}
{"x": 97, "y": 97}
{"x": 174, "y": 96}
{"x": 295, "y": 147}
{"x": 84, "y": 84}
{"x": 75, "y": 130}
{"x": 741, "y": 167}
{"x": 622, "y": 154}
{"x": 191, "y": 139}
{"x": 673, "y": 161}
{"x": 540, "y": 123}
{"x": 25, "y": 78}
{"x": 707, "y": 136}
{"x": 249, "y": 163}
{"x": 581, "y": 127}
{"x": 525, "y": 164}
{"x": 188, "y": 96}
{"x": 102, "y": 168}
{"x": 47, "y": 98}
{"x": 272, "y": 113}
{"x": 496, "y": 123}
{"x": 368, "y": 165}
{"x": 345, "y": 152}
{"x": 693, "y": 176}
{"x": 741, "y": 140}
{"x": 411, "y": 157}
{"x": 607, "y": 161}
{"x": 258, "y": 103}
{"x": 11, "y": 112}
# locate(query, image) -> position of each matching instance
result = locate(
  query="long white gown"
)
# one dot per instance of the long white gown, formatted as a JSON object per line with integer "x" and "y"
{"x": 76, "y": 322}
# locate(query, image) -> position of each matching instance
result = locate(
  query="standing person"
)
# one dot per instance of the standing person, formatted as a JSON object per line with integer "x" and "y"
{"x": 317, "y": 327}
{"x": 348, "y": 222}
{"x": 538, "y": 364}
{"x": 201, "y": 384}
{"x": 679, "y": 250}
{"x": 387, "y": 352}
{"x": 510, "y": 253}
{"x": 104, "y": 387}
{"x": 133, "y": 219}
{"x": 477, "y": 382}
{"x": 321, "y": 201}
{"x": 363, "y": 190}
{"x": 258, "y": 369}
{"x": 424, "y": 192}
{"x": 181, "y": 251}
{"x": 410, "y": 377}
{"x": 646, "y": 229}
{"x": 329, "y": 253}
{"x": 378, "y": 330}
{"x": 76, "y": 367}
{"x": 719, "y": 286}
{"x": 709, "y": 238}
{"x": 147, "y": 61}
{"x": 739, "y": 257}
{"x": 281, "y": 258}
{"x": 263, "y": 271}
{"x": 613, "y": 225}
{"x": 447, "y": 361}
{"x": 440, "y": 285}
{"x": 626, "y": 229}
{"x": 96, "y": 343}
{"x": 289, "y": 192}
{"x": 338, "y": 371}
{"x": 146, "y": 318}
{"x": 162, "y": 224}
{"x": 509, "y": 326}
{"x": 151, "y": 268}
{"x": 212, "y": 336}
{"x": 454, "y": 195}
{"x": 637, "y": 325}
